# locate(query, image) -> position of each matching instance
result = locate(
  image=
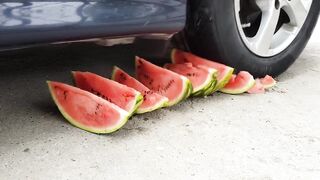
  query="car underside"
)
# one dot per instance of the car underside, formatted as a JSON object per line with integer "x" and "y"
{"x": 25, "y": 23}
{"x": 262, "y": 37}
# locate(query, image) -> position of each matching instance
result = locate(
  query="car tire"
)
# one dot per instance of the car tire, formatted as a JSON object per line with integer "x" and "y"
{"x": 211, "y": 32}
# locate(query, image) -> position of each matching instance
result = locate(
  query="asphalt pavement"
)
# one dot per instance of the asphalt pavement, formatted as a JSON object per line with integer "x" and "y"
{"x": 275, "y": 135}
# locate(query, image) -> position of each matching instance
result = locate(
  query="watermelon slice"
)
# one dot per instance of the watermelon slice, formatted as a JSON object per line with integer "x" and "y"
{"x": 123, "y": 96}
{"x": 151, "y": 99}
{"x": 201, "y": 79}
{"x": 166, "y": 83}
{"x": 224, "y": 72}
{"x": 268, "y": 82}
{"x": 239, "y": 84}
{"x": 257, "y": 88}
{"x": 86, "y": 110}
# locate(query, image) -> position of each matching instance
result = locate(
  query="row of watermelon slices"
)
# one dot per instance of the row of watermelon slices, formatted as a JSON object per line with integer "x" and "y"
{"x": 102, "y": 105}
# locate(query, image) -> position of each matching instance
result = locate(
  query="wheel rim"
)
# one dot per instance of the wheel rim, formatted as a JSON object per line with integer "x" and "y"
{"x": 268, "y": 27}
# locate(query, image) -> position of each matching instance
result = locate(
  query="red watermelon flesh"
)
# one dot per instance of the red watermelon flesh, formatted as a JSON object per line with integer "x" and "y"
{"x": 123, "y": 96}
{"x": 239, "y": 84}
{"x": 224, "y": 72}
{"x": 201, "y": 78}
{"x": 151, "y": 99}
{"x": 166, "y": 83}
{"x": 257, "y": 88}
{"x": 86, "y": 110}
{"x": 268, "y": 82}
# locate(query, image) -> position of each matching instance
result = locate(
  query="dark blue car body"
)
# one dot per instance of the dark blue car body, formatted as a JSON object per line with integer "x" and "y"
{"x": 29, "y": 22}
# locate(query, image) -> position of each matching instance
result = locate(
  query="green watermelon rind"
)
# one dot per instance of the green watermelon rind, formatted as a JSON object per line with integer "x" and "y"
{"x": 139, "y": 101}
{"x": 207, "y": 85}
{"x": 138, "y": 110}
{"x": 159, "y": 105}
{"x": 206, "y": 91}
{"x": 244, "y": 89}
{"x": 124, "y": 117}
{"x": 190, "y": 87}
{"x": 211, "y": 88}
{"x": 199, "y": 93}
{"x": 114, "y": 70}
{"x": 225, "y": 80}
{"x": 186, "y": 92}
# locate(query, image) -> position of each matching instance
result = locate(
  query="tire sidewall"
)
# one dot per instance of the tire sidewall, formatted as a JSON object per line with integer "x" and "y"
{"x": 216, "y": 27}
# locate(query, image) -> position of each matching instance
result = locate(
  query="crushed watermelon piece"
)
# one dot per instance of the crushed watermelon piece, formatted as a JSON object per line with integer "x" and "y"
{"x": 239, "y": 84}
{"x": 224, "y": 72}
{"x": 268, "y": 82}
{"x": 258, "y": 88}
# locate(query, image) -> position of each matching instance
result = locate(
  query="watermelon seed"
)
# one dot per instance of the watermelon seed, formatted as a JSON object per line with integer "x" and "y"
{"x": 164, "y": 89}
{"x": 65, "y": 95}
{"x": 97, "y": 108}
{"x": 146, "y": 93}
{"x": 169, "y": 84}
{"x": 146, "y": 76}
{"x": 64, "y": 92}
{"x": 108, "y": 99}
{"x": 191, "y": 74}
{"x": 122, "y": 77}
{"x": 100, "y": 95}
{"x": 185, "y": 59}
{"x": 149, "y": 92}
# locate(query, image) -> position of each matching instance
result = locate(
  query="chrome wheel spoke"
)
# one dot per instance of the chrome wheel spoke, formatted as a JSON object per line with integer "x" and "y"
{"x": 263, "y": 38}
{"x": 274, "y": 28}
{"x": 297, "y": 12}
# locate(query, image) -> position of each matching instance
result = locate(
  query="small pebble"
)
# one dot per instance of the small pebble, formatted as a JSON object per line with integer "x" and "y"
{"x": 26, "y": 150}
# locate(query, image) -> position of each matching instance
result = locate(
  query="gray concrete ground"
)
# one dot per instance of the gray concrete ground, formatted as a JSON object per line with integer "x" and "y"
{"x": 270, "y": 136}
